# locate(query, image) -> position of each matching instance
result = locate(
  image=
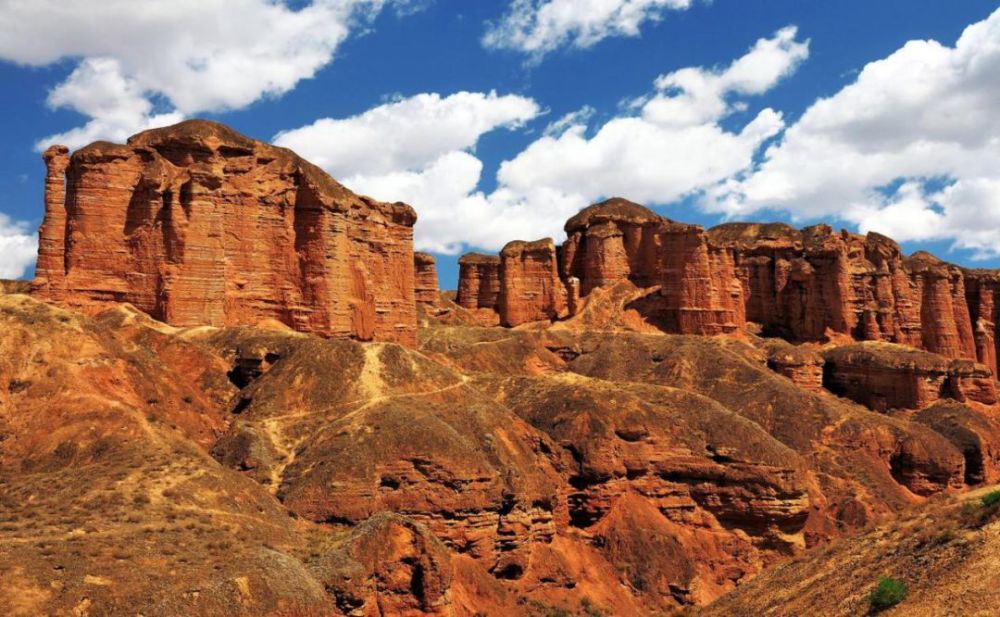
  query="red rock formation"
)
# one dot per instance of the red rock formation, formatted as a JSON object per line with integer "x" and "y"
{"x": 49, "y": 271}
{"x": 478, "y": 281}
{"x": 885, "y": 376}
{"x": 425, "y": 280}
{"x": 982, "y": 288}
{"x": 815, "y": 283}
{"x": 946, "y": 324}
{"x": 196, "y": 224}
{"x": 796, "y": 362}
{"x": 530, "y": 287}
{"x": 610, "y": 242}
{"x": 701, "y": 293}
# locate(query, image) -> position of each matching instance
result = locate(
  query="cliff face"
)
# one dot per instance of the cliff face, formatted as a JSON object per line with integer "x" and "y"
{"x": 610, "y": 242}
{"x": 196, "y": 224}
{"x": 813, "y": 284}
{"x": 425, "y": 280}
{"x": 701, "y": 294}
{"x": 478, "y": 281}
{"x": 530, "y": 287}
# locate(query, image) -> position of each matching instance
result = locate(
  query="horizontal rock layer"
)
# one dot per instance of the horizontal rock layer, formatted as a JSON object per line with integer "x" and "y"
{"x": 813, "y": 284}
{"x": 196, "y": 224}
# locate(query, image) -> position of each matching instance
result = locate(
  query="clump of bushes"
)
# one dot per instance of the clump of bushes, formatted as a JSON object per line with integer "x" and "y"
{"x": 888, "y": 593}
{"x": 991, "y": 500}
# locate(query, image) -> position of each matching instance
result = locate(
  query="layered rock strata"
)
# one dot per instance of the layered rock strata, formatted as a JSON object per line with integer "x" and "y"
{"x": 530, "y": 287}
{"x": 796, "y": 362}
{"x": 884, "y": 376}
{"x": 610, "y": 242}
{"x": 810, "y": 285}
{"x": 478, "y": 281}
{"x": 426, "y": 290}
{"x": 196, "y": 224}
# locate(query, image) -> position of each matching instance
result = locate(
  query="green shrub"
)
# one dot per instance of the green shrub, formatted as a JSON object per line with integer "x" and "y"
{"x": 888, "y": 593}
{"x": 991, "y": 499}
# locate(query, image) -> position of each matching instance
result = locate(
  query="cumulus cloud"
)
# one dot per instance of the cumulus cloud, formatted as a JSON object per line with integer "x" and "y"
{"x": 418, "y": 150}
{"x": 537, "y": 27}
{"x": 406, "y": 133}
{"x": 911, "y": 149}
{"x": 18, "y": 247}
{"x": 672, "y": 145}
{"x": 189, "y": 56}
{"x": 421, "y": 150}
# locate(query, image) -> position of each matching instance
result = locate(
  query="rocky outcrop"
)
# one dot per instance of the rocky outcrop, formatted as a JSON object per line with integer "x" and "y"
{"x": 50, "y": 268}
{"x": 982, "y": 289}
{"x": 196, "y": 224}
{"x": 802, "y": 365}
{"x": 884, "y": 376}
{"x": 530, "y": 287}
{"x": 425, "y": 278}
{"x": 609, "y": 242}
{"x": 478, "y": 281}
{"x": 701, "y": 294}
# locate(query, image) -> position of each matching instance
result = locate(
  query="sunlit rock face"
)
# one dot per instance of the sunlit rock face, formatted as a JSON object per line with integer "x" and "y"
{"x": 196, "y": 224}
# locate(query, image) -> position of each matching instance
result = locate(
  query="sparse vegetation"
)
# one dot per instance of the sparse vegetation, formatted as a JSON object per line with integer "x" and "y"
{"x": 590, "y": 609}
{"x": 991, "y": 500}
{"x": 888, "y": 593}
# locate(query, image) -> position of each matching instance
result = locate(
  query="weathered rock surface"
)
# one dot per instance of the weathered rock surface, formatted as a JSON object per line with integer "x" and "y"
{"x": 530, "y": 287}
{"x": 974, "y": 430}
{"x": 804, "y": 366}
{"x": 196, "y": 224}
{"x": 14, "y": 287}
{"x": 885, "y": 376}
{"x": 426, "y": 290}
{"x": 609, "y": 242}
{"x": 701, "y": 294}
{"x": 864, "y": 464}
{"x": 945, "y": 552}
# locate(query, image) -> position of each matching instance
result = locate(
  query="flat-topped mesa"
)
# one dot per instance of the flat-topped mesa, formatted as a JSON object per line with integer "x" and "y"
{"x": 196, "y": 224}
{"x": 530, "y": 287}
{"x": 478, "y": 281}
{"x": 426, "y": 291}
{"x": 887, "y": 376}
{"x": 609, "y": 242}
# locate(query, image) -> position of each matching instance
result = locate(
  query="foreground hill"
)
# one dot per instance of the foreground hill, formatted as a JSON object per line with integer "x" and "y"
{"x": 945, "y": 552}
{"x": 259, "y": 471}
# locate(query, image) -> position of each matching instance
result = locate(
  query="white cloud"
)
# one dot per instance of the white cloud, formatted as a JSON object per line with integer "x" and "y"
{"x": 538, "y": 27}
{"x": 675, "y": 144}
{"x": 406, "y": 134}
{"x": 192, "y": 55}
{"x": 926, "y": 115}
{"x": 18, "y": 247}
{"x": 418, "y": 150}
{"x": 421, "y": 150}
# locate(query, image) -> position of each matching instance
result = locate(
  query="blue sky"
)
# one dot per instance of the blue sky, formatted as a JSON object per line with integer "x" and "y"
{"x": 891, "y": 152}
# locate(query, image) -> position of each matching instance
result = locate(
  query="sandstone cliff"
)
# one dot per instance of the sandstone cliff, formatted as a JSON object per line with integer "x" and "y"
{"x": 196, "y": 224}
{"x": 426, "y": 290}
{"x": 808, "y": 285}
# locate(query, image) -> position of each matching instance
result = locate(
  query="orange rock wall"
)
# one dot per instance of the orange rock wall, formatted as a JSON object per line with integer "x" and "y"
{"x": 425, "y": 280}
{"x": 530, "y": 287}
{"x": 478, "y": 281}
{"x": 198, "y": 225}
{"x": 701, "y": 293}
